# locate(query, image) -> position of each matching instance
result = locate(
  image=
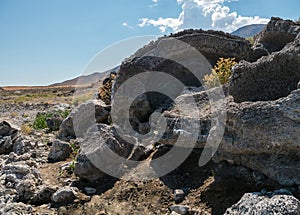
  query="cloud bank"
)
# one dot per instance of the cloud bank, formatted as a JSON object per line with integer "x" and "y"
{"x": 205, "y": 14}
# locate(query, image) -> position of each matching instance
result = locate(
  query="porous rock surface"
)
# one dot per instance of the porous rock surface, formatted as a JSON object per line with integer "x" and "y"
{"x": 277, "y": 34}
{"x": 82, "y": 118}
{"x": 279, "y": 202}
{"x": 270, "y": 78}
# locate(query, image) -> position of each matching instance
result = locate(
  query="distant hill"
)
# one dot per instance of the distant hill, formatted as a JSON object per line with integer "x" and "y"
{"x": 249, "y": 30}
{"x": 85, "y": 79}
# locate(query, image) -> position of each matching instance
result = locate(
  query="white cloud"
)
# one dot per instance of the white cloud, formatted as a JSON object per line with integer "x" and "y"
{"x": 161, "y": 23}
{"x": 126, "y": 25}
{"x": 155, "y": 3}
{"x": 205, "y": 14}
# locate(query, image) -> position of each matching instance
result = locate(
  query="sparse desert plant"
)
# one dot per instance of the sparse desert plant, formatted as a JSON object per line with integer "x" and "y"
{"x": 40, "y": 121}
{"x": 72, "y": 165}
{"x": 14, "y": 114}
{"x": 75, "y": 148}
{"x": 26, "y": 129}
{"x": 105, "y": 90}
{"x": 251, "y": 40}
{"x": 220, "y": 73}
{"x": 25, "y": 115}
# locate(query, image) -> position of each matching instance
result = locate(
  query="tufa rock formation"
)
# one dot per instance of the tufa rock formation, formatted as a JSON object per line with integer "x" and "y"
{"x": 277, "y": 34}
{"x": 270, "y": 78}
{"x": 82, "y": 118}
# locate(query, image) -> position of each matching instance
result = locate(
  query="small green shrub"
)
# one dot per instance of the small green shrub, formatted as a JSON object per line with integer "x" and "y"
{"x": 75, "y": 148}
{"x": 72, "y": 165}
{"x": 220, "y": 73}
{"x": 26, "y": 129}
{"x": 40, "y": 121}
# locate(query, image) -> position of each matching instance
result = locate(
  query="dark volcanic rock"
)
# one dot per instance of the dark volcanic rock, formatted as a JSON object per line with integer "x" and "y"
{"x": 63, "y": 195}
{"x": 54, "y": 123}
{"x": 59, "y": 151}
{"x": 270, "y": 78}
{"x": 7, "y": 130}
{"x": 277, "y": 34}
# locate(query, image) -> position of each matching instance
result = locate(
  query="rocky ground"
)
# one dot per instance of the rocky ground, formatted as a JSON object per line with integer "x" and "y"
{"x": 255, "y": 170}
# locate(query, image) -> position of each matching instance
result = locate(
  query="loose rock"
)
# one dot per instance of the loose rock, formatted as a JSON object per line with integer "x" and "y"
{"x": 59, "y": 151}
{"x": 258, "y": 203}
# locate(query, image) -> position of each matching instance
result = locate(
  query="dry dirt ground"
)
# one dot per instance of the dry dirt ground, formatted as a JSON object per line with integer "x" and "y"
{"x": 205, "y": 193}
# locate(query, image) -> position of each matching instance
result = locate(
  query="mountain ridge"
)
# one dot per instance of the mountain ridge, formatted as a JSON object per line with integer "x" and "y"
{"x": 248, "y": 30}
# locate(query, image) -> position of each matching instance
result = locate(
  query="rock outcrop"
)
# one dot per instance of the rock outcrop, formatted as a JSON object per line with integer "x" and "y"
{"x": 212, "y": 44}
{"x": 96, "y": 153}
{"x": 173, "y": 56}
{"x": 82, "y": 118}
{"x": 278, "y": 202}
{"x": 262, "y": 136}
{"x": 277, "y": 34}
{"x": 270, "y": 78}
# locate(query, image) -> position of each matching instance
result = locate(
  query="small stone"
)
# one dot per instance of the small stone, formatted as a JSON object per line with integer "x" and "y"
{"x": 54, "y": 123}
{"x": 179, "y": 195}
{"x": 43, "y": 195}
{"x": 59, "y": 151}
{"x": 180, "y": 209}
{"x": 63, "y": 195}
{"x": 90, "y": 190}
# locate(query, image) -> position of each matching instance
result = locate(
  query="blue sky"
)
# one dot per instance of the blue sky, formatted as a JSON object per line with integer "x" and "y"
{"x": 48, "y": 41}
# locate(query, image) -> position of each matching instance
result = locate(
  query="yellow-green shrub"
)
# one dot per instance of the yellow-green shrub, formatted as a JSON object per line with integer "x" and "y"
{"x": 220, "y": 73}
{"x": 251, "y": 40}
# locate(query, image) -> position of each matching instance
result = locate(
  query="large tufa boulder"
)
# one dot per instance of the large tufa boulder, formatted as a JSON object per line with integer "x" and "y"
{"x": 277, "y": 34}
{"x": 270, "y": 78}
{"x": 174, "y": 57}
{"x": 95, "y": 153}
{"x": 279, "y": 202}
{"x": 212, "y": 44}
{"x": 8, "y": 136}
{"x": 82, "y": 118}
{"x": 264, "y": 136}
